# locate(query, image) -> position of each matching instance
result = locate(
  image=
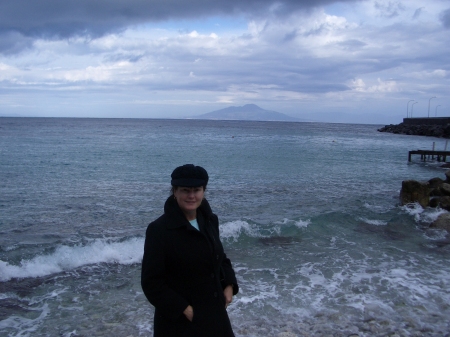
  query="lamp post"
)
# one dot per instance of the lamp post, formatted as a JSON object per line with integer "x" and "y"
{"x": 412, "y": 107}
{"x": 407, "y": 105}
{"x": 429, "y": 105}
{"x": 435, "y": 110}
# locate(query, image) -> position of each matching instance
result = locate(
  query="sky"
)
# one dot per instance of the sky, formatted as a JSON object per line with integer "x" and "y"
{"x": 360, "y": 61}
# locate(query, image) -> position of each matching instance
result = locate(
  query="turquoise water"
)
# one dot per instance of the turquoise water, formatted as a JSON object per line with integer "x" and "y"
{"x": 309, "y": 216}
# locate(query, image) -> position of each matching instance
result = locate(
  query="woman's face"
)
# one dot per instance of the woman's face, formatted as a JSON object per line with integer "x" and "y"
{"x": 189, "y": 199}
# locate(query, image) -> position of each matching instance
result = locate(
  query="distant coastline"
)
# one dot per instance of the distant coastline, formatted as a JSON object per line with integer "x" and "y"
{"x": 270, "y": 116}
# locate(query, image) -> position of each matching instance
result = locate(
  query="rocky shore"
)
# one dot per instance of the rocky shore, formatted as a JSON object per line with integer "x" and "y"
{"x": 432, "y": 193}
{"x": 440, "y": 131}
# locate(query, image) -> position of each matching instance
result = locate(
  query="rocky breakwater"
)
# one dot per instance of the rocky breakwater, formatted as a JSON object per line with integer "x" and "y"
{"x": 440, "y": 131}
{"x": 432, "y": 193}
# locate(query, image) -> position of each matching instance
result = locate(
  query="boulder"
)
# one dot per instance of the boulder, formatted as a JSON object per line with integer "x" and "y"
{"x": 442, "y": 131}
{"x": 415, "y": 191}
{"x": 445, "y": 189}
{"x": 447, "y": 176}
{"x": 442, "y": 222}
{"x": 435, "y": 186}
{"x": 435, "y": 182}
{"x": 434, "y": 202}
{"x": 442, "y": 202}
{"x": 436, "y": 192}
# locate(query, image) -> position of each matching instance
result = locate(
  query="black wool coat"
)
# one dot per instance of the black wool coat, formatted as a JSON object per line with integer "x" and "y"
{"x": 184, "y": 266}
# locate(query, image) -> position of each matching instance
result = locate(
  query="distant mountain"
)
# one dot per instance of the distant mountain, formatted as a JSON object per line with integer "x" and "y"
{"x": 250, "y": 112}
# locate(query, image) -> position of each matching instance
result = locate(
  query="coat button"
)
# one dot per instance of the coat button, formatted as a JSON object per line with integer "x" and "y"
{"x": 215, "y": 294}
{"x": 212, "y": 275}
{"x": 217, "y": 257}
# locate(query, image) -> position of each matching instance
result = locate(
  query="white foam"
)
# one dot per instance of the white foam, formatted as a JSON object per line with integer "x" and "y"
{"x": 233, "y": 229}
{"x": 420, "y": 214}
{"x": 302, "y": 224}
{"x": 436, "y": 234}
{"x": 10, "y": 248}
{"x": 413, "y": 209}
{"x": 433, "y": 214}
{"x": 378, "y": 208}
{"x": 145, "y": 327}
{"x": 25, "y": 326}
{"x": 298, "y": 223}
{"x": 374, "y": 222}
{"x": 51, "y": 295}
{"x": 397, "y": 272}
{"x": 260, "y": 291}
{"x": 69, "y": 257}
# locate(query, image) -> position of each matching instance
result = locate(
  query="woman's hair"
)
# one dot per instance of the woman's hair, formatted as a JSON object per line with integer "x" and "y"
{"x": 174, "y": 188}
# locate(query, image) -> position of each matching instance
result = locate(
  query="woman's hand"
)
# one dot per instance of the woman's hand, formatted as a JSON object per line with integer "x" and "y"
{"x": 189, "y": 313}
{"x": 228, "y": 293}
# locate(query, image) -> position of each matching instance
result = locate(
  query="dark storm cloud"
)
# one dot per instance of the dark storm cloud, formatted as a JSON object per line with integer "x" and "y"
{"x": 445, "y": 18}
{"x": 96, "y": 17}
{"x": 13, "y": 42}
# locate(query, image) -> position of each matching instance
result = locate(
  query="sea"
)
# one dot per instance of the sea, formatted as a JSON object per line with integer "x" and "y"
{"x": 309, "y": 216}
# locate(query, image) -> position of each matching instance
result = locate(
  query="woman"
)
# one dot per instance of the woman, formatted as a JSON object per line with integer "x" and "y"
{"x": 186, "y": 275}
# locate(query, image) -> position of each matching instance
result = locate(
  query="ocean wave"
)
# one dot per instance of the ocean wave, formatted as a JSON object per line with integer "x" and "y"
{"x": 378, "y": 208}
{"x": 427, "y": 215}
{"x": 26, "y": 326}
{"x": 232, "y": 230}
{"x": 66, "y": 258}
{"x": 296, "y": 223}
{"x": 374, "y": 222}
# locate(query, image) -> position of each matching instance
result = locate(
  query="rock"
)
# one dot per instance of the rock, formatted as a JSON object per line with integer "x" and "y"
{"x": 415, "y": 191}
{"x": 435, "y": 187}
{"x": 445, "y": 189}
{"x": 434, "y": 202}
{"x": 442, "y": 202}
{"x": 441, "y": 131}
{"x": 436, "y": 192}
{"x": 442, "y": 222}
{"x": 447, "y": 176}
{"x": 435, "y": 182}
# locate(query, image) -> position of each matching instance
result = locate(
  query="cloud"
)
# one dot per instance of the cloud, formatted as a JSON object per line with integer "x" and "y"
{"x": 381, "y": 86}
{"x": 95, "y": 18}
{"x": 389, "y": 9}
{"x": 286, "y": 56}
{"x": 14, "y": 42}
{"x": 445, "y": 18}
{"x": 352, "y": 44}
{"x": 418, "y": 12}
{"x": 433, "y": 74}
